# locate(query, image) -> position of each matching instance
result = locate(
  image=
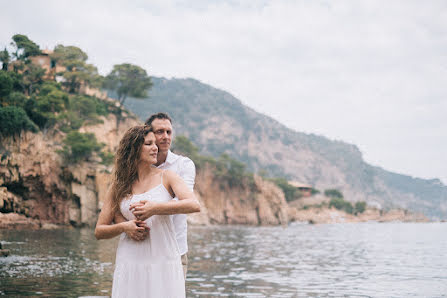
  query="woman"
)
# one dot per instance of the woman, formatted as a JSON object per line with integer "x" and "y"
{"x": 143, "y": 194}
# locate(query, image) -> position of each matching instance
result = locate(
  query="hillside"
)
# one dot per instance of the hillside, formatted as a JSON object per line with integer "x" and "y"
{"x": 218, "y": 122}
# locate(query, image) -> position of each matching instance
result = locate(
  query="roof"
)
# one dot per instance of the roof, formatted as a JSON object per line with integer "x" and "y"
{"x": 46, "y": 52}
{"x": 300, "y": 184}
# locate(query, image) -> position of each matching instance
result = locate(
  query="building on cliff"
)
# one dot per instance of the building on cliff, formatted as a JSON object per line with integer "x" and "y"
{"x": 53, "y": 71}
{"x": 305, "y": 189}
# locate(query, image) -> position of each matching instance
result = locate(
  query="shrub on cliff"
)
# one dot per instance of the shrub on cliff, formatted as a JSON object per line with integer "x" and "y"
{"x": 82, "y": 110}
{"x": 333, "y": 193}
{"x": 15, "y": 98}
{"x": 185, "y": 146}
{"x": 15, "y": 78}
{"x": 229, "y": 170}
{"x": 13, "y": 120}
{"x": 341, "y": 204}
{"x": 290, "y": 192}
{"x": 360, "y": 207}
{"x": 79, "y": 146}
{"x": 6, "y": 84}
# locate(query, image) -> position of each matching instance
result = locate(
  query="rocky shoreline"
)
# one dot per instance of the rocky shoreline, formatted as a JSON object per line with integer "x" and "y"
{"x": 14, "y": 221}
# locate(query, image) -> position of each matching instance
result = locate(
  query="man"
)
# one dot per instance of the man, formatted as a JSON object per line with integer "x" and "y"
{"x": 183, "y": 166}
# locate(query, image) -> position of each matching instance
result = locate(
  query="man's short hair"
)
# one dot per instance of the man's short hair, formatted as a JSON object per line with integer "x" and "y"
{"x": 157, "y": 116}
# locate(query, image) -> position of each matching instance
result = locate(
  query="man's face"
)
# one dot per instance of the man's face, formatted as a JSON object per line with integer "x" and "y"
{"x": 163, "y": 134}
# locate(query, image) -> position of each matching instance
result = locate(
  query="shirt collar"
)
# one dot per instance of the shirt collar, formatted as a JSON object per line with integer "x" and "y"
{"x": 171, "y": 158}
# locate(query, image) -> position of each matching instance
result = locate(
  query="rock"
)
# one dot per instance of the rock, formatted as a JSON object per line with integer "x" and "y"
{"x": 199, "y": 218}
{"x": 259, "y": 204}
{"x": 272, "y": 206}
{"x": 323, "y": 214}
{"x": 17, "y": 221}
{"x": 88, "y": 201}
{"x": 4, "y": 252}
{"x": 49, "y": 226}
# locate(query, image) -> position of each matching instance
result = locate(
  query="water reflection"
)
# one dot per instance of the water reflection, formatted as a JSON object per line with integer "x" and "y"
{"x": 352, "y": 260}
{"x": 65, "y": 263}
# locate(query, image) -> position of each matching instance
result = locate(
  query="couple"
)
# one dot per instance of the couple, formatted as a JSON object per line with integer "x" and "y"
{"x": 147, "y": 176}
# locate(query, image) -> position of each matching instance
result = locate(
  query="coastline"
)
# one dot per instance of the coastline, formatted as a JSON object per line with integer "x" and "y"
{"x": 313, "y": 215}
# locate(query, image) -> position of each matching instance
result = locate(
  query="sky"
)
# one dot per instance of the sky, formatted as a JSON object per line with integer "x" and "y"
{"x": 368, "y": 72}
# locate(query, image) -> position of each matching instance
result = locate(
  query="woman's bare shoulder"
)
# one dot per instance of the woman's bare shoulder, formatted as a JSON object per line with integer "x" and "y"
{"x": 170, "y": 174}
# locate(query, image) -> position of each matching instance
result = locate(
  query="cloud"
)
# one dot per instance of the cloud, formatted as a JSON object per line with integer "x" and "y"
{"x": 360, "y": 71}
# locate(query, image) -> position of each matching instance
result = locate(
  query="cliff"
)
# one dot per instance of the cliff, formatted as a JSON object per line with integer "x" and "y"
{"x": 35, "y": 182}
{"x": 257, "y": 203}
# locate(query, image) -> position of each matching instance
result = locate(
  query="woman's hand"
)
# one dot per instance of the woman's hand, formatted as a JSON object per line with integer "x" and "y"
{"x": 136, "y": 229}
{"x": 143, "y": 209}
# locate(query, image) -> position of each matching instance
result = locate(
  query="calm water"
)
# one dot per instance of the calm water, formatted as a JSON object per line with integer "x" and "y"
{"x": 341, "y": 260}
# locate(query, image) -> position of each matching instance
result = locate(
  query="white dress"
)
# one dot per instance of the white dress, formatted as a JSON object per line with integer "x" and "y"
{"x": 152, "y": 267}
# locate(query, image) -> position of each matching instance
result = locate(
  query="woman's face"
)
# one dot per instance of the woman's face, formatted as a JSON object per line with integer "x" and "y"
{"x": 149, "y": 150}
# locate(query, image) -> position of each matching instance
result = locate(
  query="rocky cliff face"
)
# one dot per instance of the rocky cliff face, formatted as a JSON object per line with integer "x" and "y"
{"x": 261, "y": 203}
{"x": 35, "y": 182}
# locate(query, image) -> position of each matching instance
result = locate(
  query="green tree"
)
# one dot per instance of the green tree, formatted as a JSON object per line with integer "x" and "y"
{"x": 5, "y": 58}
{"x": 78, "y": 71}
{"x": 128, "y": 80}
{"x": 6, "y": 84}
{"x": 83, "y": 108}
{"x": 15, "y": 98}
{"x": 32, "y": 76}
{"x": 290, "y": 192}
{"x": 184, "y": 145}
{"x": 48, "y": 86}
{"x": 232, "y": 170}
{"x": 13, "y": 120}
{"x": 79, "y": 146}
{"x": 45, "y": 108}
{"x": 17, "y": 81}
{"x": 53, "y": 102}
{"x": 24, "y": 47}
{"x": 87, "y": 107}
{"x": 68, "y": 56}
{"x": 360, "y": 207}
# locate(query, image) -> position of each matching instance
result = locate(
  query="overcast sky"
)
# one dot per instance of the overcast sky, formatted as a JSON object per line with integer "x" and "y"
{"x": 372, "y": 73}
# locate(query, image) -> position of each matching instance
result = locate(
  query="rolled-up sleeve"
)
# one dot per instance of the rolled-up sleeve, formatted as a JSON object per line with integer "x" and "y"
{"x": 188, "y": 173}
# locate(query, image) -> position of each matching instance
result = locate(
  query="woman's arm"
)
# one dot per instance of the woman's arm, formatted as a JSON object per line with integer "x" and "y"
{"x": 187, "y": 202}
{"x": 105, "y": 229}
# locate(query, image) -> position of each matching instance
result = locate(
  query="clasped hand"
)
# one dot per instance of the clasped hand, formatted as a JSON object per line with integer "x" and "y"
{"x": 143, "y": 209}
{"x": 137, "y": 229}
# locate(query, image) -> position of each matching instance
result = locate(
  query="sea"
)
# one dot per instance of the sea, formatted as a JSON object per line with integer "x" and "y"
{"x": 299, "y": 260}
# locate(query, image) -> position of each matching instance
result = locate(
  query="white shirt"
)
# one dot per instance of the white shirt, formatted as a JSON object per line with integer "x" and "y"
{"x": 185, "y": 168}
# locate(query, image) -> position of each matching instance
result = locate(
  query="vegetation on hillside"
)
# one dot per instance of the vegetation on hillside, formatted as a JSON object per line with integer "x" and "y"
{"x": 339, "y": 203}
{"x": 229, "y": 170}
{"x": 333, "y": 193}
{"x": 33, "y": 98}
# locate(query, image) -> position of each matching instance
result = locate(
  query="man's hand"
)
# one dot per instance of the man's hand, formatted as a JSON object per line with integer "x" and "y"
{"x": 143, "y": 209}
{"x": 137, "y": 230}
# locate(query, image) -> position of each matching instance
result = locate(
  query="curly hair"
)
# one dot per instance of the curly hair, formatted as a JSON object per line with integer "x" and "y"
{"x": 126, "y": 163}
